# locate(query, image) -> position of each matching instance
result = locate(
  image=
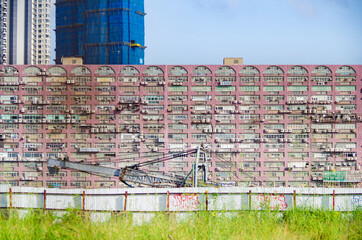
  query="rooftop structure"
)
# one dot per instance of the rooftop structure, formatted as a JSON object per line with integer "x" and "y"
{"x": 101, "y": 32}
{"x": 25, "y": 32}
{"x": 233, "y": 61}
{"x": 261, "y": 125}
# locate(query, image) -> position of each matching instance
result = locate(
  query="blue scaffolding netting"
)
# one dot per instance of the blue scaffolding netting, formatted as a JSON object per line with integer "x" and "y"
{"x": 101, "y": 31}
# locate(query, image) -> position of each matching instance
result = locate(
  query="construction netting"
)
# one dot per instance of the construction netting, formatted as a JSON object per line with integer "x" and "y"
{"x": 101, "y": 31}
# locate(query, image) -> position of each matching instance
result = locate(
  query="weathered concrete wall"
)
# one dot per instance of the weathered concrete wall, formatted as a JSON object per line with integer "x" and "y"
{"x": 180, "y": 199}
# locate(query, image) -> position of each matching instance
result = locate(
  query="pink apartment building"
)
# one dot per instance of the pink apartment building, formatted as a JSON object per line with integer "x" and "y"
{"x": 261, "y": 125}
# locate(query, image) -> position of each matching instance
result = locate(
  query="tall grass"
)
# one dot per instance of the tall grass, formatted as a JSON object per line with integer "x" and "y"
{"x": 293, "y": 224}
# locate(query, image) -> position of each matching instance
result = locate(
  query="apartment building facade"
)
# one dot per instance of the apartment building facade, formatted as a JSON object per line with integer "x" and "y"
{"x": 260, "y": 125}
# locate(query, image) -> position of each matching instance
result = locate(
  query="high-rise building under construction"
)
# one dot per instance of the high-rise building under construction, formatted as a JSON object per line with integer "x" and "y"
{"x": 100, "y": 31}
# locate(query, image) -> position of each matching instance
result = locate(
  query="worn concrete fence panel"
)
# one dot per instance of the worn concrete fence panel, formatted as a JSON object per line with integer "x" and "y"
{"x": 104, "y": 203}
{"x": 227, "y": 202}
{"x": 146, "y": 202}
{"x": 187, "y": 202}
{"x": 33, "y": 200}
{"x": 4, "y": 201}
{"x": 4, "y": 197}
{"x": 64, "y": 201}
{"x": 274, "y": 201}
{"x": 348, "y": 203}
{"x": 308, "y": 201}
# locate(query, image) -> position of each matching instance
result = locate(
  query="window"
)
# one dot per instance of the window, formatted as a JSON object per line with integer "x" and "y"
{"x": 226, "y": 98}
{"x": 274, "y": 145}
{"x": 105, "y": 71}
{"x": 155, "y": 99}
{"x": 273, "y": 126}
{"x": 274, "y": 116}
{"x": 249, "y": 79}
{"x": 321, "y": 88}
{"x": 177, "y": 71}
{"x": 346, "y": 145}
{"x": 249, "y": 71}
{"x": 225, "y": 71}
{"x": 200, "y": 88}
{"x": 273, "y": 70}
{"x": 105, "y": 79}
{"x": 273, "y": 98}
{"x": 56, "y": 184}
{"x": 249, "y": 107}
{"x": 322, "y": 97}
{"x": 346, "y": 88}
{"x": 345, "y": 70}
{"x": 129, "y": 89}
{"x": 273, "y": 88}
{"x": 297, "y": 70}
{"x": 346, "y": 107}
{"x": 249, "y": 145}
{"x": 153, "y": 71}
{"x": 249, "y": 126}
{"x": 246, "y": 99}
{"x": 249, "y": 88}
{"x": 177, "y": 117}
{"x": 345, "y": 126}
{"x": 321, "y": 70}
{"x": 345, "y": 98}
{"x": 298, "y": 88}
{"x": 273, "y": 79}
{"x": 201, "y": 98}
{"x": 273, "y": 107}
{"x": 296, "y": 107}
{"x": 225, "y": 88}
{"x": 201, "y": 71}
{"x": 248, "y": 116}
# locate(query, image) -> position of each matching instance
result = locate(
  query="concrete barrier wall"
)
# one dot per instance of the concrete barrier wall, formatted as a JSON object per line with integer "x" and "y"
{"x": 180, "y": 199}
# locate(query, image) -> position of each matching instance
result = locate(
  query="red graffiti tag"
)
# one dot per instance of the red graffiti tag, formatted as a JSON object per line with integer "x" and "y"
{"x": 185, "y": 202}
{"x": 273, "y": 201}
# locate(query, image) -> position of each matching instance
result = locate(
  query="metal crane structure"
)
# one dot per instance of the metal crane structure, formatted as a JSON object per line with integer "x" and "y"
{"x": 133, "y": 174}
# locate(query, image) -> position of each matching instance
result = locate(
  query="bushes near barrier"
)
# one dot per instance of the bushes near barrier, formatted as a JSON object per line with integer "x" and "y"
{"x": 266, "y": 224}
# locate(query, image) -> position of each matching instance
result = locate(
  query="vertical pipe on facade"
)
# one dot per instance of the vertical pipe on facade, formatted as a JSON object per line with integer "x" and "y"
{"x": 334, "y": 199}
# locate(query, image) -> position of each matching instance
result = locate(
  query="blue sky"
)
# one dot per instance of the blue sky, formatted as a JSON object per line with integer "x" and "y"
{"x": 261, "y": 31}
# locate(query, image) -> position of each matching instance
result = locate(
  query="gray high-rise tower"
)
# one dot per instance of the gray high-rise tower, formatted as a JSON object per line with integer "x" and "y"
{"x": 25, "y": 31}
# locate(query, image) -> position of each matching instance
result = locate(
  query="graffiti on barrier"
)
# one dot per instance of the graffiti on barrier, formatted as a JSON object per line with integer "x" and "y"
{"x": 185, "y": 202}
{"x": 272, "y": 201}
{"x": 356, "y": 201}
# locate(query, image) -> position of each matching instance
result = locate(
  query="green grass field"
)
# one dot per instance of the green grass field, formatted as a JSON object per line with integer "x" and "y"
{"x": 295, "y": 224}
